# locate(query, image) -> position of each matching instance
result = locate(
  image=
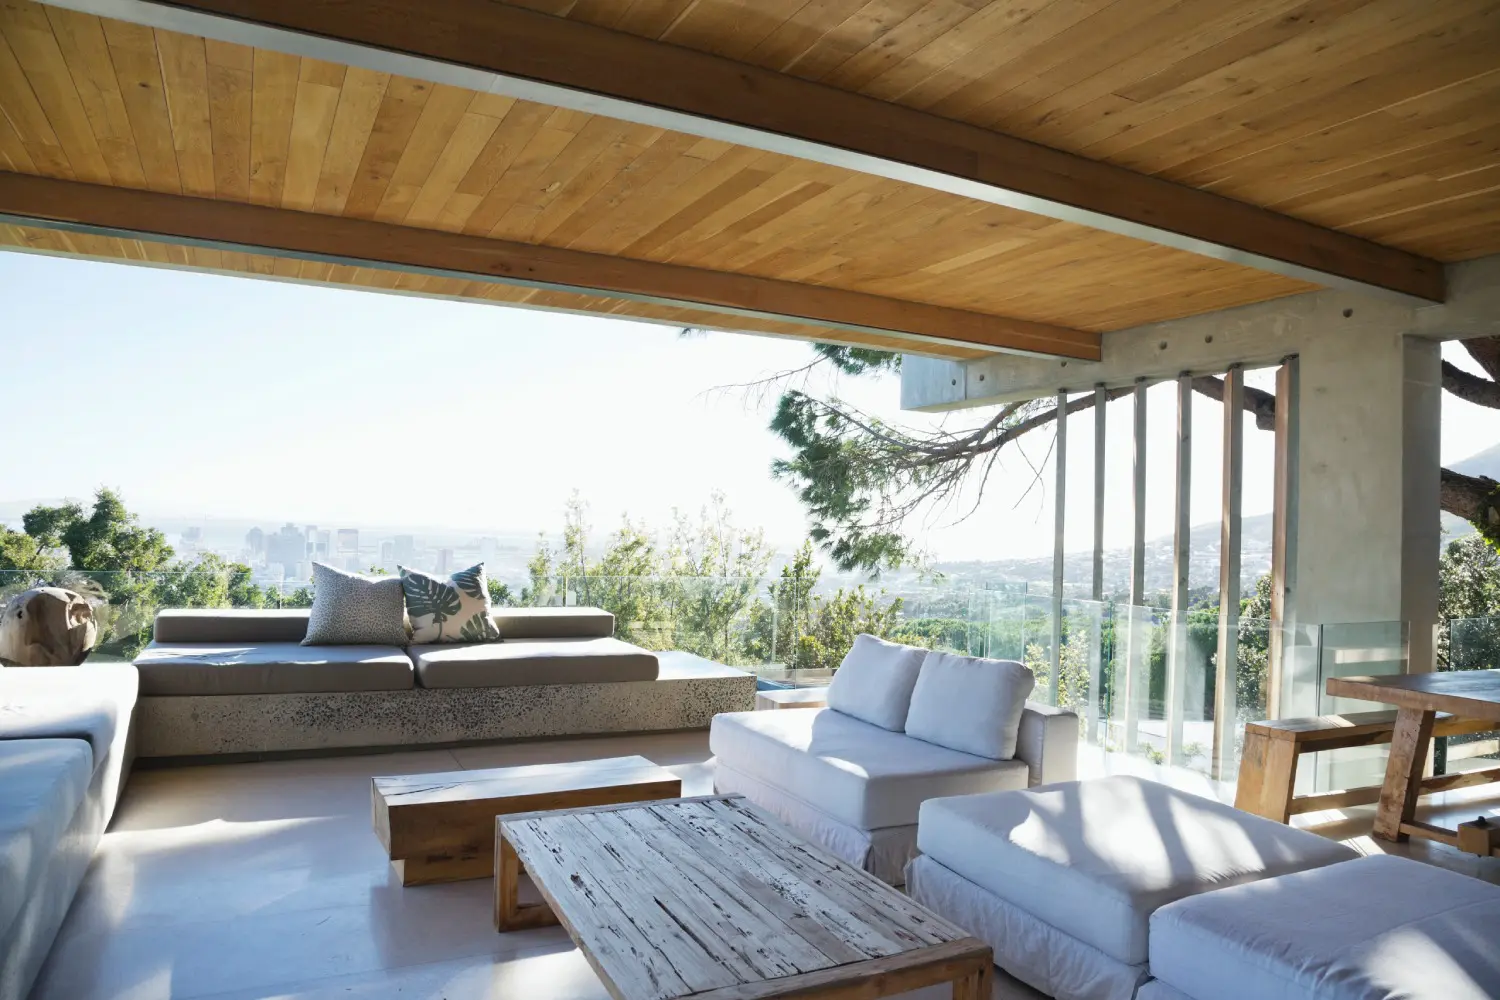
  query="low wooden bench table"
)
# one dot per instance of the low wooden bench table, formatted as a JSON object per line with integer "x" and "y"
{"x": 1268, "y": 765}
{"x": 709, "y": 898}
{"x": 777, "y": 698}
{"x": 441, "y": 827}
{"x": 1467, "y": 694}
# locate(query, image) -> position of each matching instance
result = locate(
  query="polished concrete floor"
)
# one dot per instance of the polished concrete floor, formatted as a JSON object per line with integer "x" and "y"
{"x": 264, "y": 880}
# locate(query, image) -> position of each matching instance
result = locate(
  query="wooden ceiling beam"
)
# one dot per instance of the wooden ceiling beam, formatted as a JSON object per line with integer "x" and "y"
{"x": 102, "y": 209}
{"x": 488, "y": 46}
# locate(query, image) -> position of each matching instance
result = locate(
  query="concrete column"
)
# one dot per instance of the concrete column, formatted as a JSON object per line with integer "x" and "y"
{"x": 1367, "y": 508}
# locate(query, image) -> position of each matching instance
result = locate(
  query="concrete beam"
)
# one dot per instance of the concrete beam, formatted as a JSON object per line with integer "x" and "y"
{"x": 1255, "y": 335}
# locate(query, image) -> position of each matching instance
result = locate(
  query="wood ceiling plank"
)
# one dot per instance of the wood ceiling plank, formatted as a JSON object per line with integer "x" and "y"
{"x": 312, "y": 124}
{"x": 537, "y": 191}
{"x": 1344, "y": 49}
{"x": 400, "y": 106}
{"x": 13, "y": 153}
{"x": 701, "y": 25}
{"x": 273, "y": 101}
{"x": 467, "y": 140}
{"x": 229, "y": 109}
{"x": 360, "y": 100}
{"x": 590, "y": 182}
{"x": 536, "y": 150}
{"x": 184, "y": 74}
{"x": 37, "y": 54}
{"x": 920, "y": 27}
{"x": 318, "y": 71}
{"x": 86, "y": 53}
{"x": 793, "y": 38}
{"x": 137, "y": 66}
{"x": 635, "y": 177}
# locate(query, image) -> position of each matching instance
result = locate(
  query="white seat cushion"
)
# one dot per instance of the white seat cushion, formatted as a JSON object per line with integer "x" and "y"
{"x": 1095, "y": 858}
{"x": 875, "y": 681}
{"x": 1371, "y": 929}
{"x": 860, "y": 774}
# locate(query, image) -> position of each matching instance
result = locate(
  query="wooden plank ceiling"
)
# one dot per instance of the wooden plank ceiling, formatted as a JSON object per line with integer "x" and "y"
{"x": 1377, "y": 117}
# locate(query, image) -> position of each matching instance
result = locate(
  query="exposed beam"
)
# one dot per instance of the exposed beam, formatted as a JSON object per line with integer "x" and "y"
{"x": 493, "y": 47}
{"x": 38, "y": 201}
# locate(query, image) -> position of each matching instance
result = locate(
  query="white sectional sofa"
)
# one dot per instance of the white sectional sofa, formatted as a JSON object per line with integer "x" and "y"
{"x": 1124, "y": 889}
{"x": 852, "y": 778}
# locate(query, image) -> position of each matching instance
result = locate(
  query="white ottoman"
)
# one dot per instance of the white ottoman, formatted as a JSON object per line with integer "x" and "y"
{"x": 1062, "y": 879}
{"x": 1369, "y": 929}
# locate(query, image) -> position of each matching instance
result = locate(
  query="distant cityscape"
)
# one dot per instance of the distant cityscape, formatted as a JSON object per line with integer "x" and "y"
{"x": 283, "y": 556}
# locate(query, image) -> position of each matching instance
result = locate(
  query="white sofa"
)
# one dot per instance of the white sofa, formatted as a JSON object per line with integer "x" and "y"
{"x": 855, "y": 786}
{"x": 1124, "y": 889}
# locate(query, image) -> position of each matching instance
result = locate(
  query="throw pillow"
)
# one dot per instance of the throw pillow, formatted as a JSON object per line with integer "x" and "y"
{"x": 874, "y": 683}
{"x": 353, "y": 610}
{"x": 456, "y": 609}
{"x": 970, "y": 703}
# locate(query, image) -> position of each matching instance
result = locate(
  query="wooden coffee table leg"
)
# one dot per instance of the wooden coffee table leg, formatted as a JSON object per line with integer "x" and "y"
{"x": 510, "y": 913}
{"x": 1403, "y": 772}
{"x": 976, "y": 985}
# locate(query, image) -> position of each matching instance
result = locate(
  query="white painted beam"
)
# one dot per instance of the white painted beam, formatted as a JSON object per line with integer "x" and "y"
{"x": 1258, "y": 335}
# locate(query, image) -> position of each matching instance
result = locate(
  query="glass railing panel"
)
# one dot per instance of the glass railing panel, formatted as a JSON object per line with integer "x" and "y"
{"x": 1469, "y": 644}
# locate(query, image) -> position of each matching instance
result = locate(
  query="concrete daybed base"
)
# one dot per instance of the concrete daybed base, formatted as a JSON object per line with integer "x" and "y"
{"x": 687, "y": 693}
{"x": 237, "y": 682}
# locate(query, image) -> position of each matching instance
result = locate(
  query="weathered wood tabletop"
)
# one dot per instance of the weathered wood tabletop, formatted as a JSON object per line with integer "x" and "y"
{"x": 710, "y": 898}
{"x": 1467, "y": 694}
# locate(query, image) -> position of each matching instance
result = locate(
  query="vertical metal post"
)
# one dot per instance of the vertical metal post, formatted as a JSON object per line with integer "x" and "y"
{"x": 1137, "y": 680}
{"x": 1060, "y": 496}
{"x": 1182, "y": 550}
{"x": 1096, "y": 591}
{"x": 1227, "y": 658}
{"x": 1284, "y": 532}
{"x": 1101, "y": 401}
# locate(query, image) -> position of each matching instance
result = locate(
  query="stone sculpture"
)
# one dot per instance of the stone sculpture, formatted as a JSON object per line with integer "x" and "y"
{"x": 47, "y": 627}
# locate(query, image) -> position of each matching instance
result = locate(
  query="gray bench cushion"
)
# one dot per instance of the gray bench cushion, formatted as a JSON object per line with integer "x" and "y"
{"x": 1096, "y": 858}
{"x": 42, "y": 783}
{"x": 231, "y": 625}
{"x": 92, "y": 702}
{"x": 270, "y": 668}
{"x": 554, "y": 623}
{"x": 532, "y": 661}
{"x": 1370, "y": 929}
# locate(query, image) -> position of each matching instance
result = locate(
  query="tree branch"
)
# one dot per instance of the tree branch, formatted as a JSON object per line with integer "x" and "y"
{"x": 1472, "y": 388}
{"x": 1486, "y": 351}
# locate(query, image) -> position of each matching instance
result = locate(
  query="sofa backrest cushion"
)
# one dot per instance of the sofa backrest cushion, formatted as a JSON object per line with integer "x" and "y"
{"x": 874, "y": 683}
{"x": 970, "y": 703}
{"x": 349, "y": 609}
{"x": 230, "y": 625}
{"x": 554, "y": 623}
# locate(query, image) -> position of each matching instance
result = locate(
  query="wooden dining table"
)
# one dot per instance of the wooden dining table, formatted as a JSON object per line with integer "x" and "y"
{"x": 1467, "y": 694}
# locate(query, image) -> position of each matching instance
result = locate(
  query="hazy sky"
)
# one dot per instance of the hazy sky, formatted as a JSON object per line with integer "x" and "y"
{"x": 201, "y": 395}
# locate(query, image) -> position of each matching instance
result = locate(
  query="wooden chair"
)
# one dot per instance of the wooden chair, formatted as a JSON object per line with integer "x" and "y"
{"x": 1268, "y": 765}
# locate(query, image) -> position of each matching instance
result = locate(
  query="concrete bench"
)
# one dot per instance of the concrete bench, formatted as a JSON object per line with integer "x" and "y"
{"x": 1268, "y": 765}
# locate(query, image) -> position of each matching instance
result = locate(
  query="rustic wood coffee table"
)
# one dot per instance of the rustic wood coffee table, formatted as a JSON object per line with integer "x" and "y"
{"x": 441, "y": 827}
{"x": 709, "y": 898}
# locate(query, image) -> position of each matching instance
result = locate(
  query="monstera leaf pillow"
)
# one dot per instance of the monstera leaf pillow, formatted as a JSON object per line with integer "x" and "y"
{"x": 456, "y": 609}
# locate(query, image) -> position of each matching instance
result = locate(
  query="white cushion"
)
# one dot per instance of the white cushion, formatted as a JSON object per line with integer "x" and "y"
{"x": 857, "y": 773}
{"x": 875, "y": 680}
{"x": 969, "y": 703}
{"x": 1371, "y": 929}
{"x": 1096, "y": 858}
{"x": 455, "y": 608}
